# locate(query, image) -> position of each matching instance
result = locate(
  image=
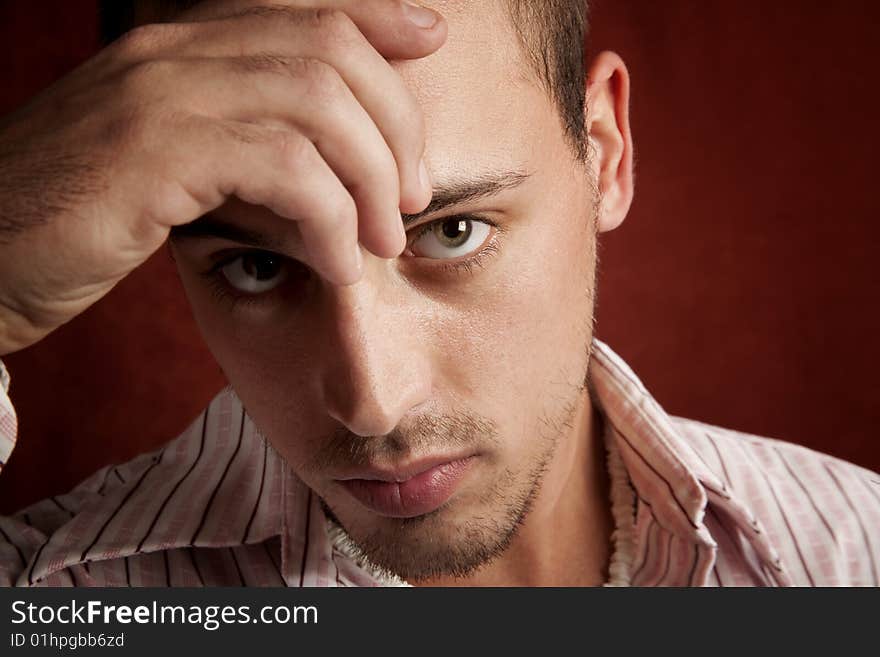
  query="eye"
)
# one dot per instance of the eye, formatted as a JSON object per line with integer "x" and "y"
{"x": 256, "y": 272}
{"x": 450, "y": 238}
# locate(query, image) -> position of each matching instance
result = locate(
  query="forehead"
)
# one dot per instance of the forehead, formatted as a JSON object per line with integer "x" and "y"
{"x": 482, "y": 107}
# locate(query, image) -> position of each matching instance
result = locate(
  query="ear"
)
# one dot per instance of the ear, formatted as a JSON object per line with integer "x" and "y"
{"x": 607, "y": 100}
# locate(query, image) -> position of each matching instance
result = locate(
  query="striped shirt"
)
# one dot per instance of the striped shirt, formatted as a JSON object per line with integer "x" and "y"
{"x": 218, "y": 506}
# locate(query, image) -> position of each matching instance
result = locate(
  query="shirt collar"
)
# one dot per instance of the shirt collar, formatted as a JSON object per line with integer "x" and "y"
{"x": 674, "y": 487}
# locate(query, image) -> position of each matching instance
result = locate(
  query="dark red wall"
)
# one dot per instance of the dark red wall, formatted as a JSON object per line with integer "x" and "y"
{"x": 130, "y": 372}
{"x": 742, "y": 287}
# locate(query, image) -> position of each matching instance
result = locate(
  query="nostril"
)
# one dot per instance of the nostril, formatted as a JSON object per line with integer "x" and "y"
{"x": 365, "y": 422}
{"x": 372, "y": 406}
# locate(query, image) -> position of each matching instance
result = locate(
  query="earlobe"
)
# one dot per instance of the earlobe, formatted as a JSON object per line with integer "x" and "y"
{"x": 610, "y": 147}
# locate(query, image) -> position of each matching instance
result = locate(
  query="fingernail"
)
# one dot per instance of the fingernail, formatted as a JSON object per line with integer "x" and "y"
{"x": 419, "y": 16}
{"x": 425, "y": 177}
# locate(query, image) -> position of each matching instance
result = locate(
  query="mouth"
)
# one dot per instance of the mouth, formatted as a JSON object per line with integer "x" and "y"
{"x": 409, "y": 491}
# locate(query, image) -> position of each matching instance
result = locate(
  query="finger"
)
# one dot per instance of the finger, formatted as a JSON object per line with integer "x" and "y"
{"x": 375, "y": 84}
{"x": 398, "y": 29}
{"x": 259, "y": 165}
{"x": 311, "y": 96}
{"x": 308, "y": 96}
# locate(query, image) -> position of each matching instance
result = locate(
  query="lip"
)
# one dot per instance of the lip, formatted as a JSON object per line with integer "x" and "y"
{"x": 410, "y": 491}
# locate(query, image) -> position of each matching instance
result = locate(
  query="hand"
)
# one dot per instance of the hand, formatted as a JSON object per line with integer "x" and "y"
{"x": 288, "y": 107}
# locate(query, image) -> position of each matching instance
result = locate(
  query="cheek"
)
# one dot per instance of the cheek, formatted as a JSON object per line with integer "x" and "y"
{"x": 266, "y": 364}
{"x": 518, "y": 341}
{"x": 272, "y": 376}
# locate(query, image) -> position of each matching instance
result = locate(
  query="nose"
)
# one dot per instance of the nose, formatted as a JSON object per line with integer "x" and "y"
{"x": 376, "y": 369}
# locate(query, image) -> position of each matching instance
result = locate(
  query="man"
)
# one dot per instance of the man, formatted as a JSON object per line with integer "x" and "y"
{"x": 424, "y": 400}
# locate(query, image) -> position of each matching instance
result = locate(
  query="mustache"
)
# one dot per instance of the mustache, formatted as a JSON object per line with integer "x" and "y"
{"x": 425, "y": 435}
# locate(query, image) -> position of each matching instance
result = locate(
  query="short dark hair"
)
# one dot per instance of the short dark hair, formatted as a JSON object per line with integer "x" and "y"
{"x": 552, "y": 34}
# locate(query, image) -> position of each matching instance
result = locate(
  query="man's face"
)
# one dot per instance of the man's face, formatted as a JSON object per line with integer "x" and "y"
{"x": 472, "y": 347}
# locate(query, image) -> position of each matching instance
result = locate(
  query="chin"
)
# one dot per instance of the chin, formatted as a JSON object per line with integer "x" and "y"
{"x": 455, "y": 540}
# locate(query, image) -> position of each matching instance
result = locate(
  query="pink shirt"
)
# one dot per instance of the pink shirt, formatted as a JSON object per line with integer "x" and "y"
{"x": 217, "y": 506}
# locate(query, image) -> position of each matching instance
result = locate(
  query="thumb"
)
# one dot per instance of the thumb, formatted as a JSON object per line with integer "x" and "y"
{"x": 397, "y": 29}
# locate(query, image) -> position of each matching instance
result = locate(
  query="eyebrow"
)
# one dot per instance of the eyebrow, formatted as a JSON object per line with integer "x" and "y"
{"x": 211, "y": 226}
{"x": 445, "y": 196}
{"x": 455, "y": 193}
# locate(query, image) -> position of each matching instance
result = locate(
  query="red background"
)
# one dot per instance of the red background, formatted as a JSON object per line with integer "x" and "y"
{"x": 742, "y": 287}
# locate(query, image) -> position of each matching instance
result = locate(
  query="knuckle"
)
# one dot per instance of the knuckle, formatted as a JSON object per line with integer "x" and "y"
{"x": 322, "y": 80}
{"x": 268, "y": 12}
{"x": 294, "y": 150}
{"x": 335, "y": 28}
{"x": 265, "y": 63}
{"x": 137, "y": 40}
{"x": 146, "y": 76}
{"x": 238, "y": 132}
{"x": 145, "y": 39}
